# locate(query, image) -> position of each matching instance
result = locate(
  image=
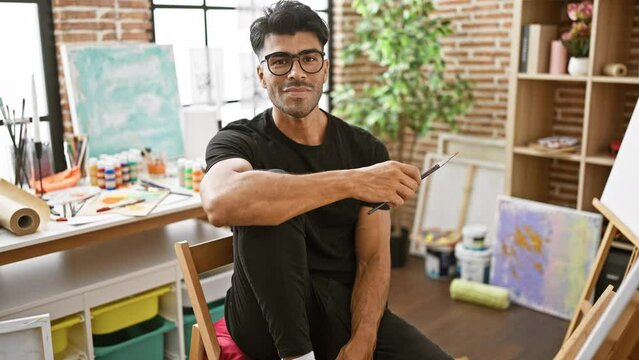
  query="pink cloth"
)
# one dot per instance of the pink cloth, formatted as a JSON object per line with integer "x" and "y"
{"x": 230, "y": 350}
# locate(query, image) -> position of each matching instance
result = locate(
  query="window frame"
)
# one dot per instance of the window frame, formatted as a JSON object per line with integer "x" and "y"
{"x": 52, "y": 85}
{"x": 204, "y": 7}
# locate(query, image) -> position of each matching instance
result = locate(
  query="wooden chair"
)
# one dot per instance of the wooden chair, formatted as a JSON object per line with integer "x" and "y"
{"x": 194, "y": 260}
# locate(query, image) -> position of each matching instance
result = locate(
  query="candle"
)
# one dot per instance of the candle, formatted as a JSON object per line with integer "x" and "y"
{"x": 36, "y": 118}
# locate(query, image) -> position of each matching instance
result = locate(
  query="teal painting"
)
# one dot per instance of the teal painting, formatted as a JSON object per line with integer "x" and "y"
{"x": 124, "y": 96}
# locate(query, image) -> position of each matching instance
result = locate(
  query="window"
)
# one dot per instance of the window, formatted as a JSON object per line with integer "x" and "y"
{"x": 26, "y": 35}
{"x": 220, "y": 24}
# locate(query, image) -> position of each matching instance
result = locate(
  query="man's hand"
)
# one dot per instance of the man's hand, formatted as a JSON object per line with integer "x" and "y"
{"x": 390, "y": 181}
{"x": 355, "y": 350}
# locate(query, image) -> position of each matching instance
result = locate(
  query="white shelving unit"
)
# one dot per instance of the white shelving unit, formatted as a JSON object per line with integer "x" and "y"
{"x": 74, "y": 281}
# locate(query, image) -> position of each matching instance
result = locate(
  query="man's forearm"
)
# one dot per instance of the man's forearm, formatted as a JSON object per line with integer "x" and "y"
{"x": 269, "y": 198}
{"x": 370, "y": 294}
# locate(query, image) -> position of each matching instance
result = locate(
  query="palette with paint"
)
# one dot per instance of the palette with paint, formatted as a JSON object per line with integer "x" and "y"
{"x": 122, "y": 196}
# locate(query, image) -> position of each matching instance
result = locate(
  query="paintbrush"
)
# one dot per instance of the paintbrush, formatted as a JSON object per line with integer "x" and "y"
{"x": 436, "y": 167}
{"x": 132, "y": 202}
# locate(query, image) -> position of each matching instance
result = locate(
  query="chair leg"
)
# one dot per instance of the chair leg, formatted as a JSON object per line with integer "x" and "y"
{"x": 197, "y": 346}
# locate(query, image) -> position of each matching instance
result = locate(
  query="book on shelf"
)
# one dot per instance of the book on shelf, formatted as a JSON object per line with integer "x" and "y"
{"x": 536, "y": 40}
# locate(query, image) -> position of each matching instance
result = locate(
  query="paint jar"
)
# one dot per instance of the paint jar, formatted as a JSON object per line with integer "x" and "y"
{"x": 474, "y": 236}
{"x": 474, "y": 265}
{"x": 100, "y": 174}
{"x": 133, "y": 168}
{"x": 188, "y": 175}
{"x": 118, "y": 171}
{"x": 197, "y": 175}
{"x": 180, "y": 164}
{"x": 124, "y": 165}
{"x": 93, "y": 171}
{"x": 110, "y": 181}
{"x": 439, "y": 261}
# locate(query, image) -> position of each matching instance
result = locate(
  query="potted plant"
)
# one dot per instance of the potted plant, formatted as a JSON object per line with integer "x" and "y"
{"x": 577, "y": 39}
{"x": 412, "y": 93}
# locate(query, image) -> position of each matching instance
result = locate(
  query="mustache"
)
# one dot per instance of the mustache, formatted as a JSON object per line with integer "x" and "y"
{"x": 298, "y": 83}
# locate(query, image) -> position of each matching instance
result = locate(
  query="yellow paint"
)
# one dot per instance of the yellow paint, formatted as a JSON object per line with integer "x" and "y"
{"x": 520, "y": 240}
{"x": 539, "y": 267}
{"x": 535, "y": 239}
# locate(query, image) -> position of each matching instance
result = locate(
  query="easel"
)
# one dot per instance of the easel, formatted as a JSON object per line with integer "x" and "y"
{"x": 620, "y": 323}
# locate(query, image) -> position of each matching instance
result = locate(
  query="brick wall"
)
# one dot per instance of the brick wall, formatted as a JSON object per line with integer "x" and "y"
{"x": 97, "y": 21}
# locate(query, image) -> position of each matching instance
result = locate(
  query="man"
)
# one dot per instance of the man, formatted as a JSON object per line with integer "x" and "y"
{"x": 312, "y": 268}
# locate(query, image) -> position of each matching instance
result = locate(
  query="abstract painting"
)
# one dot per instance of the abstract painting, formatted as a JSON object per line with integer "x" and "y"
{"x": 543, "y": 253}
{"x": 124, "y": 96}
{"x": 116, "y": 198}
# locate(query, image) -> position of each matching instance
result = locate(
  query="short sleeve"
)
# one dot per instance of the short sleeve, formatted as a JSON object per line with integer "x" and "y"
{"x": 233, "y": 141}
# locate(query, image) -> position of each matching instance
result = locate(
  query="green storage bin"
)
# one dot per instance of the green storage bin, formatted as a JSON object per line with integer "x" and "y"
{"x": 141, "y": 341}
{"x": 216, "y": 309}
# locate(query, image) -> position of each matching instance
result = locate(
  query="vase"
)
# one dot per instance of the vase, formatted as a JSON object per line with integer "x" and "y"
{"x": 558, "y": 58}
{"x": 578, "y": 65}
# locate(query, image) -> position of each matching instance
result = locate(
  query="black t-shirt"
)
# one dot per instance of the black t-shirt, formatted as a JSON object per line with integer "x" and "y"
{"x": 331, "y": 252}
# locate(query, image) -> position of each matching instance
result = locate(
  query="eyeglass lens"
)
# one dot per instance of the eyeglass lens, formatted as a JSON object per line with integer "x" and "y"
{"x": 281, "y": 63}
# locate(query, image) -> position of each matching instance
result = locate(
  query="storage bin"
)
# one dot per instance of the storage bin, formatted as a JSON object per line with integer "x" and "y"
{"x": 60, "y": 332}
{"x": 142, "y": 341}
{"x": 216, "y": 309}
{"x": 129, "y": 311}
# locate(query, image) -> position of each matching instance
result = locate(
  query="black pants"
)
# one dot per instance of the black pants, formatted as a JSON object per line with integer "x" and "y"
{"x": 276, "y": 308}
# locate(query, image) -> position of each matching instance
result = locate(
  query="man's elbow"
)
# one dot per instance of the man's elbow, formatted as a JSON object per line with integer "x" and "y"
{"x": 214, "y": 211}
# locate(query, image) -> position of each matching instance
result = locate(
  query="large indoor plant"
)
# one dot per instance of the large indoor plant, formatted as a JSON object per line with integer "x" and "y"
{"x": 413, "y": 92}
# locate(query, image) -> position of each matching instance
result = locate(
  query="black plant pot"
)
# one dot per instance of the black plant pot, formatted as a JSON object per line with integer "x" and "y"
{"x": 399, "y": 248}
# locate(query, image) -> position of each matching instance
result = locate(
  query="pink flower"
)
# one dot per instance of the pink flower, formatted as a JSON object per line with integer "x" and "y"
{"x": 567, "y": 36}
{"x": 572, "y": 11}
{"x": 584, "y": 10}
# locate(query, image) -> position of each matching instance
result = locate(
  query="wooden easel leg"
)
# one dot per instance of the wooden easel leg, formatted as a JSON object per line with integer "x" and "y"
{"x": 602, "y": 254}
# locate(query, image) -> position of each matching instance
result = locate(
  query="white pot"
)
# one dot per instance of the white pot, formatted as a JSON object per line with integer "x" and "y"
{"x": 578, "y": 65}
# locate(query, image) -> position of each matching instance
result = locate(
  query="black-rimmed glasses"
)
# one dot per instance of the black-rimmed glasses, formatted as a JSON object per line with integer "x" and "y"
{"x": 280, "y": 63}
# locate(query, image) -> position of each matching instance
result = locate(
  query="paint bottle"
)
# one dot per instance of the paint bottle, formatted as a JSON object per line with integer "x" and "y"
{"x": 133, "y": 168}
{"x": 118, "y": 171}
{"x": 197, "y": 175}
{"x": 93, "y": 171}
{"x": 124, "y": 164}
{"x": 100, "y": 174}
{"x": 188, "y": 175}
{"x": 181, "y": 162}
{"x": 110, "y": 178}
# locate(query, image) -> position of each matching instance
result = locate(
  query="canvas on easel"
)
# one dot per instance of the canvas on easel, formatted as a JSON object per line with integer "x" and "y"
{"x": 614, "y": 334}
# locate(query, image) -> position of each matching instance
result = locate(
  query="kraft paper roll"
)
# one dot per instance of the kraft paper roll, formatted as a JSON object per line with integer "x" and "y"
{"x": 20, "y": 212}
{"x": 482, "y": 294}
{"x": 615, "y": 70}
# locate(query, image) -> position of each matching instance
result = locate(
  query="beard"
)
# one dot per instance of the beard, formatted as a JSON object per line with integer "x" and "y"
{"x": 295, "y": 107}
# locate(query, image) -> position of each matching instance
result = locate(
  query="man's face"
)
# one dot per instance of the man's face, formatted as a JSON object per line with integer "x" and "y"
{"x": 296, "y": 93}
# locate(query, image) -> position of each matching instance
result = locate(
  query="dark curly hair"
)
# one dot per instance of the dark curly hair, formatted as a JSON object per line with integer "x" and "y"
{"x": 287, "y": 17}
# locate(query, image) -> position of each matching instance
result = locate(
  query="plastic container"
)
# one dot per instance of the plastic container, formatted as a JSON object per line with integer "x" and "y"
{"x": 141, "y": 341}
{"x": 474, "y": 236}
{"x": 474, "y": 265}
{"x": 123, "y": 313}
{"x": 216, "y": 309}
{"x": 439, "y": 261}
{"x": 60, "y": 332}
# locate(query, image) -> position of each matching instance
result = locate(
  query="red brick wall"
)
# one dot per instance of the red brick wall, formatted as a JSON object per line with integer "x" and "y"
{"x": 96, "y": 21}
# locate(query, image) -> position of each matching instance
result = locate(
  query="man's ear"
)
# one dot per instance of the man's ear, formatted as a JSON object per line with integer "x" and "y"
{"x": 260, "y": 75}
{"x": 327, "y": 64}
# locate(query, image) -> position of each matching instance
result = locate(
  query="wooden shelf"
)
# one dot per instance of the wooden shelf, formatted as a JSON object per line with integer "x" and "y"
{"x": 616, "y": 80}
{"x": 524, "y": 150}
{"x": 552, "y": 77}
{"x": 600, "y": 159}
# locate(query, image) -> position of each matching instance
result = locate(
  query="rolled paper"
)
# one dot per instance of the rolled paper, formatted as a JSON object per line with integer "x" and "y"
{"x": 482, "y": 294}
{"x": 615, "y": 69}
{"x": 21, "y": 213}
{"x": 558, "y": 58}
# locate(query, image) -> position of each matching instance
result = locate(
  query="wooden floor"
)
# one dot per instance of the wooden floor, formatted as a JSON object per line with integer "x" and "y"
{"x": 466, "y": 329}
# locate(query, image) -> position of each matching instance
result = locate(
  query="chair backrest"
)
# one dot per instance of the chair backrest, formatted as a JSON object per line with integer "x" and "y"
{"x": 194, "y": 260}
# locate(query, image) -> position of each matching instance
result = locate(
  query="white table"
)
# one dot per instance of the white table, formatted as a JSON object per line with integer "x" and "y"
{"x": 58, "y": 236}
